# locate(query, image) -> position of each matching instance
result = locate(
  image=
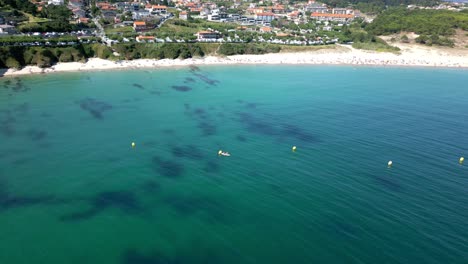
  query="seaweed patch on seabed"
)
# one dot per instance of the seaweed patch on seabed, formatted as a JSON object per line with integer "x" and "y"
{"x": 37, "y": 135}
{"x": 205, "y": 79}
{"x": 189, "y": 80}
{"x": 94, "y": 107}
{"x": 139, "y": 86}
{"x": 258, "y": 125}
{"x": 340, "y": 227}
{"x": 9, "y": 201}
{"x": 181, "y": 88}
{"x": 212, "y": 210}
{"x": 6, "y": 123}
{"x": 17, "y": 86}
{"x": 212, "y": 166}
{"x": 22, "y": 109}
{"x": 208, "y": 129}
{"x": 167, "y": 168}
{"x": 194, "y": 68}
{"x": 151, "y": 186}
{"x": 388, "y": 182}
{"x": 188, "y": 151}
{"x": 122, "y": 200}
{"x": 131, "y": 256}
{"x": 241, "y": 138}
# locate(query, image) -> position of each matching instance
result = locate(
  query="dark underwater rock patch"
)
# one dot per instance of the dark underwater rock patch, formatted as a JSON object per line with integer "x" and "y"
{"x": 94, "y": 107}
{"x": 181, "y": 88}
{"x": 167, "y": 168}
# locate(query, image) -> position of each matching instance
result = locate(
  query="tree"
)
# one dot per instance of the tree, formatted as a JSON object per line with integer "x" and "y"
{"x": 12, "y": 63}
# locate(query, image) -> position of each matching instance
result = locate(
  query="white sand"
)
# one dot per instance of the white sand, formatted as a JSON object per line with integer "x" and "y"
{"x": 411, "y": 55}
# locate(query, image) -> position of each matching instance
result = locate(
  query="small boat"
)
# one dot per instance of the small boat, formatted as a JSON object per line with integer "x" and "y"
{"x": 222, "y": 153}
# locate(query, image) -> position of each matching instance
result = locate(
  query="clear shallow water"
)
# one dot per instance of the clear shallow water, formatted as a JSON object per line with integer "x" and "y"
{"x": 72, "y": 190}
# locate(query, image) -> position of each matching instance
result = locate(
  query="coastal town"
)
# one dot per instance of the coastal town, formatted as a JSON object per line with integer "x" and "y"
{"x": 144, "y": 33}
{"x": 277, "y": 21}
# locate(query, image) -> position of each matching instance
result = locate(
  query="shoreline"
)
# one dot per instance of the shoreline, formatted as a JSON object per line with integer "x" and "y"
{"x": 411, "y": 55}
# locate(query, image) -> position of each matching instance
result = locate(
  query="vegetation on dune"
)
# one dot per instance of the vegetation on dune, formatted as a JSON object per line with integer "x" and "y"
{"x": 248, "y": 48}
{"x": 433, "y": 26}
{"x": 19, "y": 56}
{"x": 376, "y": 6}
{"x": 22, "y": 5}
{"x": 420, "y": 21}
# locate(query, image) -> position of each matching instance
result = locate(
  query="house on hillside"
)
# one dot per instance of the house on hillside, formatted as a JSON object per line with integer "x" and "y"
{"x": 265, "y": 29}
{"x": 83, "y": 20}
{"x": 139, "y": 25}
{"x": 55, "y": 2}
{"x": 316, "y": 8}
{"x": 265, "y": 17}
{"x": 183, "y": 15}
{"x": 149, "y": 39}
{"x": 75, "y": 4}
{"x": 7, "y": 29}
{"x": 332, "y": 17}
{"x": 141, "y": 14}
{"x": 208, "y": 36}
{"x": 341, "y": 11}
{"x": 158, "y": 9}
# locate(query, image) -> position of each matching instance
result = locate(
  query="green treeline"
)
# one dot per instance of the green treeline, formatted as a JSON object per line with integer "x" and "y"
{"x": 248, "y": 48}
{"x": 20, "y": 56}
{"x": 433, "y": 26}
{"x": 420, "y": 21}
{"x": 375, "y": 6}
{"x": 23, "y": 5}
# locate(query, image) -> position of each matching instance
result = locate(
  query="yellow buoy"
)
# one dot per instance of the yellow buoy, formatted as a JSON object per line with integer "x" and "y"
{"x": 133, "y": 144}
{"x": 294, "y": 148}
{"x": 390, "y": 163}
{"x": 462, "y": 159}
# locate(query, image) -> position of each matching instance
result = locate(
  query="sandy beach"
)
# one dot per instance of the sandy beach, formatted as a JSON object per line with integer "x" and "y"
{"x": 410, "y": 55}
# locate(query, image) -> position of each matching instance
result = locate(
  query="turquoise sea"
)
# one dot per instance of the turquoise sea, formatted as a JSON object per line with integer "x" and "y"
{"x": 73, "y": 190}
